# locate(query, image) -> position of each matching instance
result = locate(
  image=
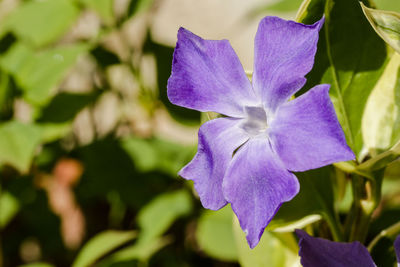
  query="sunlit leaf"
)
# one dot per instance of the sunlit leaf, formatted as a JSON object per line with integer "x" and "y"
{"x": 18, "y": 143}
{"x": 157, "y": 154}
{"x": 215, "y": 234}
{"x": 141, "y": 250}
{"x": 52, "y": 131}
{"x": 388, "y": 5}
{"x": 281, "y": 6}
{"x": 386, "y": 24}
{"x": 157, "y": 216}
{"x": 101, "y": 245}
{"x": 9, "y": 207}
{"x": 38, "y": 73}
{"x": 350, "y": 57}
{"x": 381, "y": 118}
{"x": 274, "y": 249}
{"x": 41, "y": 22}
{"x": 103, "y": 7}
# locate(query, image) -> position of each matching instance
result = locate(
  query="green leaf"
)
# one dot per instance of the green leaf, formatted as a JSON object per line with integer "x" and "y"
{"x": 281, "y": 6}
{"x": 274, "y": 249}
{"x": 38, "y": 73}
{"x": 350, "y": 57}
{"x": 51, "y": 132}
{"x": 386, "y": 24}
{"x": 381, "y": 118}
{"x": 18, "y": 143}
{"x": 140, "y": 251}
{"x": 388, "y": 5}
{"x": 9, "y": 206}
{"x": 157, "y": 216}
{"x": 382, "y": 160}
{"x": 215, "y": 234}
{"x": 103, "y": 7}
{"x": 315, "y": 200}
{"x": 157, "y": 154}
{"x": 41, "y": 22}
{"x": 100, "y": 245}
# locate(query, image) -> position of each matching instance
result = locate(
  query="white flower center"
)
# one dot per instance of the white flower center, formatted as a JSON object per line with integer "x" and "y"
{"x": 256, "y": 121}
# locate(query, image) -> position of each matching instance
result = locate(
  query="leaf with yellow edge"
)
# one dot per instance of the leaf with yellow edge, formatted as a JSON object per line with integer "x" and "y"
{"x": 386, "y": 24}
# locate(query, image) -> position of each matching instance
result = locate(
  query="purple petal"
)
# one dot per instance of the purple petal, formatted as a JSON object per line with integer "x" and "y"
{"x": 207, "y": 76}
{"x": 316, "y": 252}
{"x": 284, "y": 53}
{"x": 397, "y": 249}
{"x": 256, "y": 184}
{"x": 218, "y": 139}
{"x": 306, "y": 134}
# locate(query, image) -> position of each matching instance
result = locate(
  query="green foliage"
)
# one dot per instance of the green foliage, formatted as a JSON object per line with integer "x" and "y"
{"x": 274, "y": 249}
{"x": 104, "y": 8}
{"x": 102, "y": 244}
{"x": 126, "y": 167}
{"x": 9, "y": 207}
{"x": 37, "y": 73}
{"x": 215, "y": 234}
{"x": 18, "y": 143}
{"x": 350, "y": 67}
{"x": 157, "y": 216}
{"x": 315, "y": 200}
{"x": 386, "y": 24}
{"x": 31, "y": 21}
{"x": 157, "y": 154}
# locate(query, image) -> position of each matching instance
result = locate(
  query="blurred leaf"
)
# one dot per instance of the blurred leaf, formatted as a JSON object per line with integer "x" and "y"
{"x": 139, "y": 251}
{"x": 41, "y": 22}
{"x": 100, "y": 245}
{"x": 37, "y": 264}
{"x": 279, "y": 6}
{"x": 388, "y": 5}
{"x": 157, "y": 216}
{"x": 157, "y": 154}
{"x": 381, "y": 118}
{"x": 103, "y": 7}
{"x": 65, "y": 106}
{"x": 18, "y": 143}
{"x": 38, "y": 73}
{"x": 314, "y": 200}
{"x": 51, "y": 132}
{"x": 215, "y": 234}
{"x": 386, "y": 24}
{"x": 274, "y": 249}
{"x": 9, "y": 207}
{"x": 352, "y": 67}
{"x": 137, "y": 6}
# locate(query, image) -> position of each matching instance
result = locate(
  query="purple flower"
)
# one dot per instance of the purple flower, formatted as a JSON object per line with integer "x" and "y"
{"x": 315, "y": 252}
{"x": 246, "y": 158}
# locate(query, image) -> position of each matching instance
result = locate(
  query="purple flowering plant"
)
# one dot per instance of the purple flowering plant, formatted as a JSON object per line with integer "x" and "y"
{"x": 246, "y": 157}
{"x": 303, "y": 108}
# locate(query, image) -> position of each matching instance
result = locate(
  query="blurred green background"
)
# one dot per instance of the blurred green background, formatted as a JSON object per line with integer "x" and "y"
{"x": 90, "y": 146}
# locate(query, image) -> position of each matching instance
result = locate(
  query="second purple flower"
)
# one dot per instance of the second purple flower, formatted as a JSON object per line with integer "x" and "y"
{"x": 247, "y": 158}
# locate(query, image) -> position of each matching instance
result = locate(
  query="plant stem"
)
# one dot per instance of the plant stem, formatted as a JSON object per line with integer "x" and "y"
{"x": 391, "y": 231}
{"x": 366, "y": 195}
{"x": 335, "y": 228}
